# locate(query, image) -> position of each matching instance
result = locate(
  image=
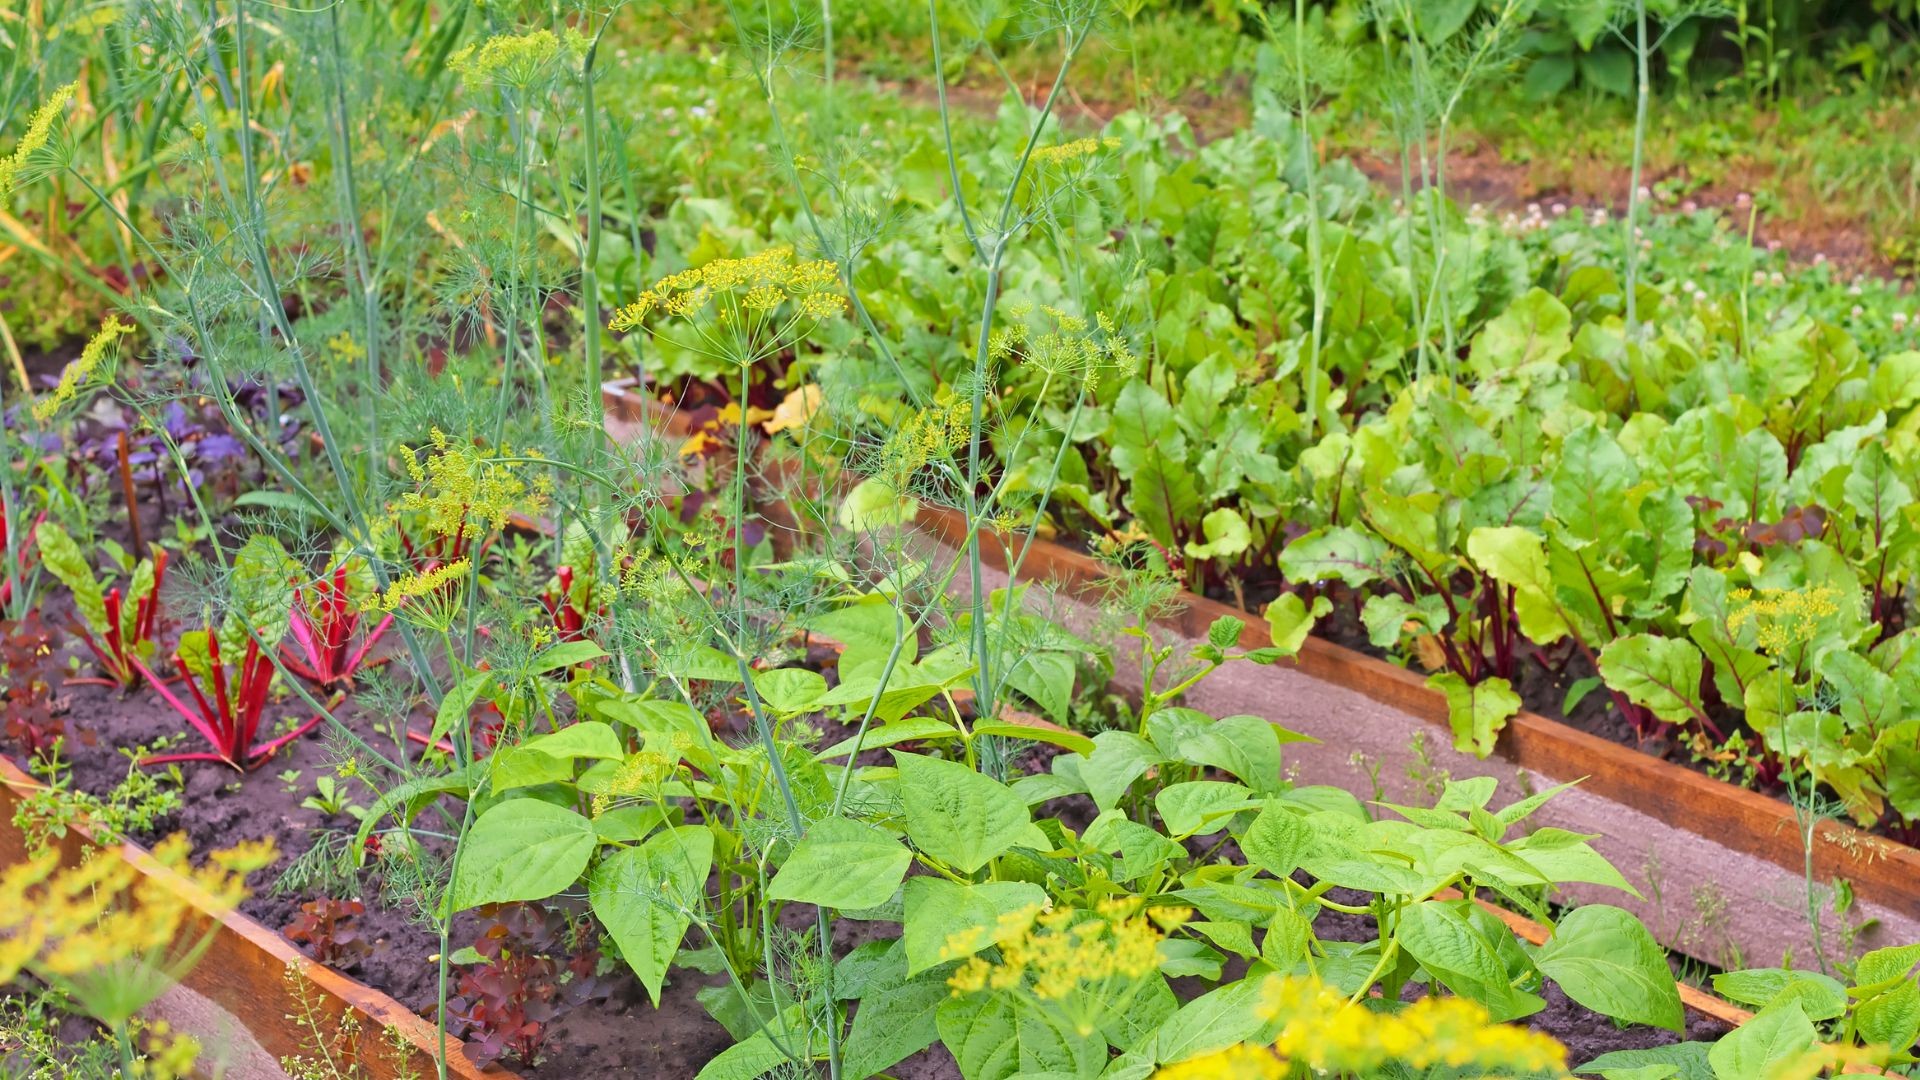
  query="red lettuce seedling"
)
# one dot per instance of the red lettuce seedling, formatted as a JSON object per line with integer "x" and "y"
{"x": 326, "y": 927}
{"x": 323, "y": 627}
{"x": 28, "y": 651}
{"x": 531, "y": 969}
{"x": 117, "y": 628}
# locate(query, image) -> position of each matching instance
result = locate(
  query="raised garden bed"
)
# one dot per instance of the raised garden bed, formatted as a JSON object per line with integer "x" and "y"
{"x": 1721, "y": 868}
{"x": 243, "y": 997}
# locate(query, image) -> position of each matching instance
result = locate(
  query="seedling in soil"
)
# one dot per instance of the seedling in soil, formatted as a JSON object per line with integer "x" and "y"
{"x": 326, "y": 927}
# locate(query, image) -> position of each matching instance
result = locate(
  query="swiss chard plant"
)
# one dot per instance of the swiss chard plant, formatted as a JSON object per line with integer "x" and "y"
{"x": 118, "y": 626}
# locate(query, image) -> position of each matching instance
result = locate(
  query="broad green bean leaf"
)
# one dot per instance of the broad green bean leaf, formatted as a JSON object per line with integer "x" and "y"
{"x": 868, "y": 630}
{"x": 587, "y": 738}
{"x": 1276, "y": 840}
{"x": 645, "y": 897}
{"x": 521, "y": 849}
{"x": 749, "y": 1059}
{"x": 1067, "y": 740}
{"x": 1660, "y": 673}
{"x": 1002, "y": 1036}
{"x": 957, "y": 815}
{"x": 1046, "y": 677}
{"x": 1213, "y": 1021}
{"x": 1142, "y": 848}
{"x": 1605, "y": 959}
{"x": 511, "y": 767}
{"x": 1118, "y": 759}
{"x": 1755, "y": 1047}
{"x": 1289, "y": 620}
{"x": 911, "y": 729}
{"x": 1245, "y": 746}
{"x": 565, "y": 654}
{"x": 1200, "y": 806}
{"x": 1822, "y": 997}
{"x": 896, "y": 1018}
{"x": 790, "y": 691}
{"x": 946, "y": 920}
{"x": 842, "y": 864}
{"x": 1675, "y": 1061}
{"x": 1439, "y": 935}
{"x": 1561, "y": 856}
{"x": 1889, "y": 1008}
{"x": 1476, "y": 712}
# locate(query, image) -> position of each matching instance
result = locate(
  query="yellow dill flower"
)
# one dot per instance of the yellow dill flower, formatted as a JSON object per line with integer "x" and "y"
{"x": 1783, "y": 619}
{"x": 82, "y": 367}
{"x": 515, "y": 59}
{"x": 422, "y": 584}
{"x": 1240, "y": 1062}
{"x": 744, "y": 309}
{"x": 109, "y": 935}
{"x": 1078, "y": 148}
{"x": 1075, "y": 961}
{"x": 1325, "y": 1032}
{"x": 39, "y": 130}
{"x": 461, "y": 484}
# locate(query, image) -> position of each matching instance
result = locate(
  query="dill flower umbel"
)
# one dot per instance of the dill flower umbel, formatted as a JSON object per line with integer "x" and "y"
{"x": 106, "y": 933}
{"x": 460, "y": 484}
{"x": 518, "y": 60}
{"x": 1078, "y": 148}
{"x": 422, "y": 583}
{"x": 39, "y": 130}
{"x": 1327, "y": 1033}
{"x": 1783, "y": 619}
{"x": 742, "y": 310}
{"x": 81, "y": 368}
{"x": 1076, "y": 961}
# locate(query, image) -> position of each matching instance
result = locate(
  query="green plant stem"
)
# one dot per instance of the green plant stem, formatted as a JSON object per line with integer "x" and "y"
{"x": 1639, "y": 152}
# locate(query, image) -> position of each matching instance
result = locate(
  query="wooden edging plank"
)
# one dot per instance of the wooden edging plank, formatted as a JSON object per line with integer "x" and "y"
{"x": 245, "y": 970}
{"x": 1881, "y": 870}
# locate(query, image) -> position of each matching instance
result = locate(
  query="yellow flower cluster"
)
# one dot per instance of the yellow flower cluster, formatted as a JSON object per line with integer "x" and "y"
{"x": 1067, "y": 349}
{"x": 928, "y": 433}
{"x": 1078, "y": 148}
{"x": 1783, "y": 618}
{"x": 88, "y": 921}
{"x": 1242, "y": 1062}
{"x": 639, "y": 774}
{"x": 421, "y": 584}
{"x": 39, "y": 130}
{"x": 82, "y": 367}
{"x": 515, "y": 59}
{"x": 1325, "y": 1031}
{"x": 462, "y": 483}
{"x": 757, "y": 284}
{"x": 1058, "y": 951}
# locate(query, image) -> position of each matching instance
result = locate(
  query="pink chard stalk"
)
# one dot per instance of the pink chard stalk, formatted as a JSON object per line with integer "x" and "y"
{"x": 228, "y": 704}
{"x": 323, "y": 630}
{"x": 118, "y": 627}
